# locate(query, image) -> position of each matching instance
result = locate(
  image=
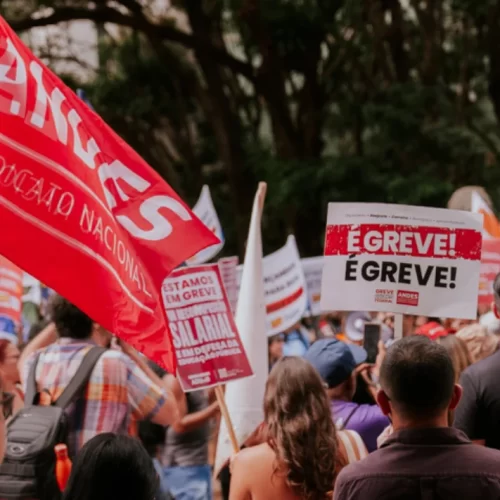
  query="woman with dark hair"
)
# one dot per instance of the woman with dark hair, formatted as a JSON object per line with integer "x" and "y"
{"x": 112, "y": 467}
{"x": 299, "y": 458}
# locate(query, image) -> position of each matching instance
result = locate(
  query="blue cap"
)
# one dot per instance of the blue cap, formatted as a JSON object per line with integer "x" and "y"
{"x": 335, "y": 360}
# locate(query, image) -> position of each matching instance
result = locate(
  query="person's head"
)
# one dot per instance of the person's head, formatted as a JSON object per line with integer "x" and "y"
{"x": 417, "y": 378}
{"x": 479, "y": 341}
{"x": 490, "y": 322}
{"x": 275, "y": 346}
{"x": 336, "y": 362}
{"x": 73, "y": 323}
{"x": 459, "y": 354}
{"x": 112, "y": 467}
{"x": 300, "y": 427}
{"x": 9, "y": 357}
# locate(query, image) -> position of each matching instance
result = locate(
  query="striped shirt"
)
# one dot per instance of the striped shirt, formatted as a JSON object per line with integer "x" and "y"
{"x": 118, "y": 393}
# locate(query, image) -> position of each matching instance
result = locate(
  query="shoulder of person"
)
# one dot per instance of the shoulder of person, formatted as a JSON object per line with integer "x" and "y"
{"x": 372, "y": 412}
{"x": 117, "y": 359}
{"x": 253, "y": 455}
{"x": 359, "y": 469}
{"x": 487, "y": 456}
{"x": 486, "y": 365}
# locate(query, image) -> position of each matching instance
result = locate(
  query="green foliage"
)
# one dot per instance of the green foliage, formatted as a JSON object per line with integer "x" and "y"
{"x": 349, "y": 101}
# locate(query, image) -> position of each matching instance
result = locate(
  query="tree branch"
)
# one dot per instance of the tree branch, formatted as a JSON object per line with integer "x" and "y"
{"x": 139, "y": 23}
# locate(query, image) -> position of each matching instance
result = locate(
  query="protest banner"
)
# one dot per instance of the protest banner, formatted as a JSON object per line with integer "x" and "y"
{"x": 11, "y": 291}
{"x": 490, "y": 267}
{"x": 401, "y": 259}
{"x": 284, "y": 287}
{"x": 205, "y": 211}
{"x": 313, "y": 270}
{"x": 228, "y": 270}
{"x": 207, "y": 345}
{"x": 491, "y": 225}
{"x": 81, "y": 211}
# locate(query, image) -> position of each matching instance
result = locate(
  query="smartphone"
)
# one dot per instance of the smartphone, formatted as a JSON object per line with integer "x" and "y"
{"x": 370, "y": 341}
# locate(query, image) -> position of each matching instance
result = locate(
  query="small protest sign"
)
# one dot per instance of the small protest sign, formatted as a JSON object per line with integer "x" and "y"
{"x": 11, "y": 291}
{"x": 490, "y": 267}
{"x": 207, "y": 345}
{"x": 402, "y": 259}
{"x": 313, "y": 270}
{"x": 284, "y": 288}
{"x": 205, "y": 210}
{"x": 228, "y": 270}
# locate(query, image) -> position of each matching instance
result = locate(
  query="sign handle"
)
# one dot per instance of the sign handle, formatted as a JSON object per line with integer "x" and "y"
{"x": 227, "y": 418}
{"x": 398, "y": 326}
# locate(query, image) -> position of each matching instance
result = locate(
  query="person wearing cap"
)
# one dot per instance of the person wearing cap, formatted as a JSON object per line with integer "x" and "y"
{"x": 432, "y": 330}
{"x": 338, "y": 364}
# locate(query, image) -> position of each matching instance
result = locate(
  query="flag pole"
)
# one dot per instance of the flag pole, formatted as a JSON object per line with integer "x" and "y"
{"x": 219, "y": 393}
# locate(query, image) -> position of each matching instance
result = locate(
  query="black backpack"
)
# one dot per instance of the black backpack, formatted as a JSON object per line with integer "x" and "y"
{"x": 28, "y": 470}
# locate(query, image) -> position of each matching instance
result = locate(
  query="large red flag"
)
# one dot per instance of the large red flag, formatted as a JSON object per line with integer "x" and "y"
{"x": 81, "y": 211}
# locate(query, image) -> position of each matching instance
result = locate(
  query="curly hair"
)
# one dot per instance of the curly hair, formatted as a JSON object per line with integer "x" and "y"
{"x": 300, "y": 428}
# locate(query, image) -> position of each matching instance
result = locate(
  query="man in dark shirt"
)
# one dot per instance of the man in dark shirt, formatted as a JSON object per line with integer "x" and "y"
{"x": 478, "y": 414}
{"x": 423, "y": 459}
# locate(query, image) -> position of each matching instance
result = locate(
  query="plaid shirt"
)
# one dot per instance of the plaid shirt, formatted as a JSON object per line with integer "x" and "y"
{"x": 118, "y": 393}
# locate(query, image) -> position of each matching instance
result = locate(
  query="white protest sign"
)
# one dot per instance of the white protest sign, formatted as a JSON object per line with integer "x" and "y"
{"x": 205, "y": 211}
{"x": 284, "y": 286}
{"x": 402, "y": 259}
{"x": 313, "y": 270}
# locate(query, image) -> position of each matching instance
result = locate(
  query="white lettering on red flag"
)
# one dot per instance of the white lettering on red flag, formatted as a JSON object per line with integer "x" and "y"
{"x": 81, "y": 211}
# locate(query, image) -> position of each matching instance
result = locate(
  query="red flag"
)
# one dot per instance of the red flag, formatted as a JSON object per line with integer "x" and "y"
{"x": 81, "y": 211}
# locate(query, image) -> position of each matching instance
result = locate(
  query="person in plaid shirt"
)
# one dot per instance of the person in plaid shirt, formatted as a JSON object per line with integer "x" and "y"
{"x": 121, "y": 390}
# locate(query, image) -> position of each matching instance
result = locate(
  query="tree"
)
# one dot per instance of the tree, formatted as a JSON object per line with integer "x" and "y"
{"x": 364, "y": 100}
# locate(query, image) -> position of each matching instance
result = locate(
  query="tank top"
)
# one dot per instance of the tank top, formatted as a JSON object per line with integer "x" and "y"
{"x": 188, "y": 448}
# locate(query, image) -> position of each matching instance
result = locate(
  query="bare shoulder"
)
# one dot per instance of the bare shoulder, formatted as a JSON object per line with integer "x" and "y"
{"x": 255, "y": 455}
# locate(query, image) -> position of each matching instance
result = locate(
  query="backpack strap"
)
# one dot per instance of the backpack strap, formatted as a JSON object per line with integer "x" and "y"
{"x": 81, "y": 377}
{"x": 346, "y": 421}
{"x": 31, "y": 390}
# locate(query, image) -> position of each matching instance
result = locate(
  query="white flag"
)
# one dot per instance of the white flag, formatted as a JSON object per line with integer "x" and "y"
{"x": 244, "y": 398}
{"x": 205, "y": 211}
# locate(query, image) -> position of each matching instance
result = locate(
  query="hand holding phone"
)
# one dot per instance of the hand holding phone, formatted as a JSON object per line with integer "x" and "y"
{"x": 371, "y": 340}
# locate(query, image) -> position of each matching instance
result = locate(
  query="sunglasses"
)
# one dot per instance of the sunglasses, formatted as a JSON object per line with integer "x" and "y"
{"x": 6, "y": 402}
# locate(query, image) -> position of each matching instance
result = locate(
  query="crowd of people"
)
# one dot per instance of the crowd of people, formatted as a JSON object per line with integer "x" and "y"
{"x": 420, "y": 423}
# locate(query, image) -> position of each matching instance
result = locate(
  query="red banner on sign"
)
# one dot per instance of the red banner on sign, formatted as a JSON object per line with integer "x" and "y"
{"x": 392, "y": 239}
{"x": 81, "y": 211}
{"x": 490, "y": 267}
{"x": 206, "y": 341}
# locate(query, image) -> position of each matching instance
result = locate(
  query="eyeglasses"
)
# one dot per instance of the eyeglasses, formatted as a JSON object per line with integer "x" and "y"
{"x": 6, "y": 402}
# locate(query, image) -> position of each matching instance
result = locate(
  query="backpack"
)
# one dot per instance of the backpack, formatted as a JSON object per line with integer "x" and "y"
{"x": 28, "y": 470}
